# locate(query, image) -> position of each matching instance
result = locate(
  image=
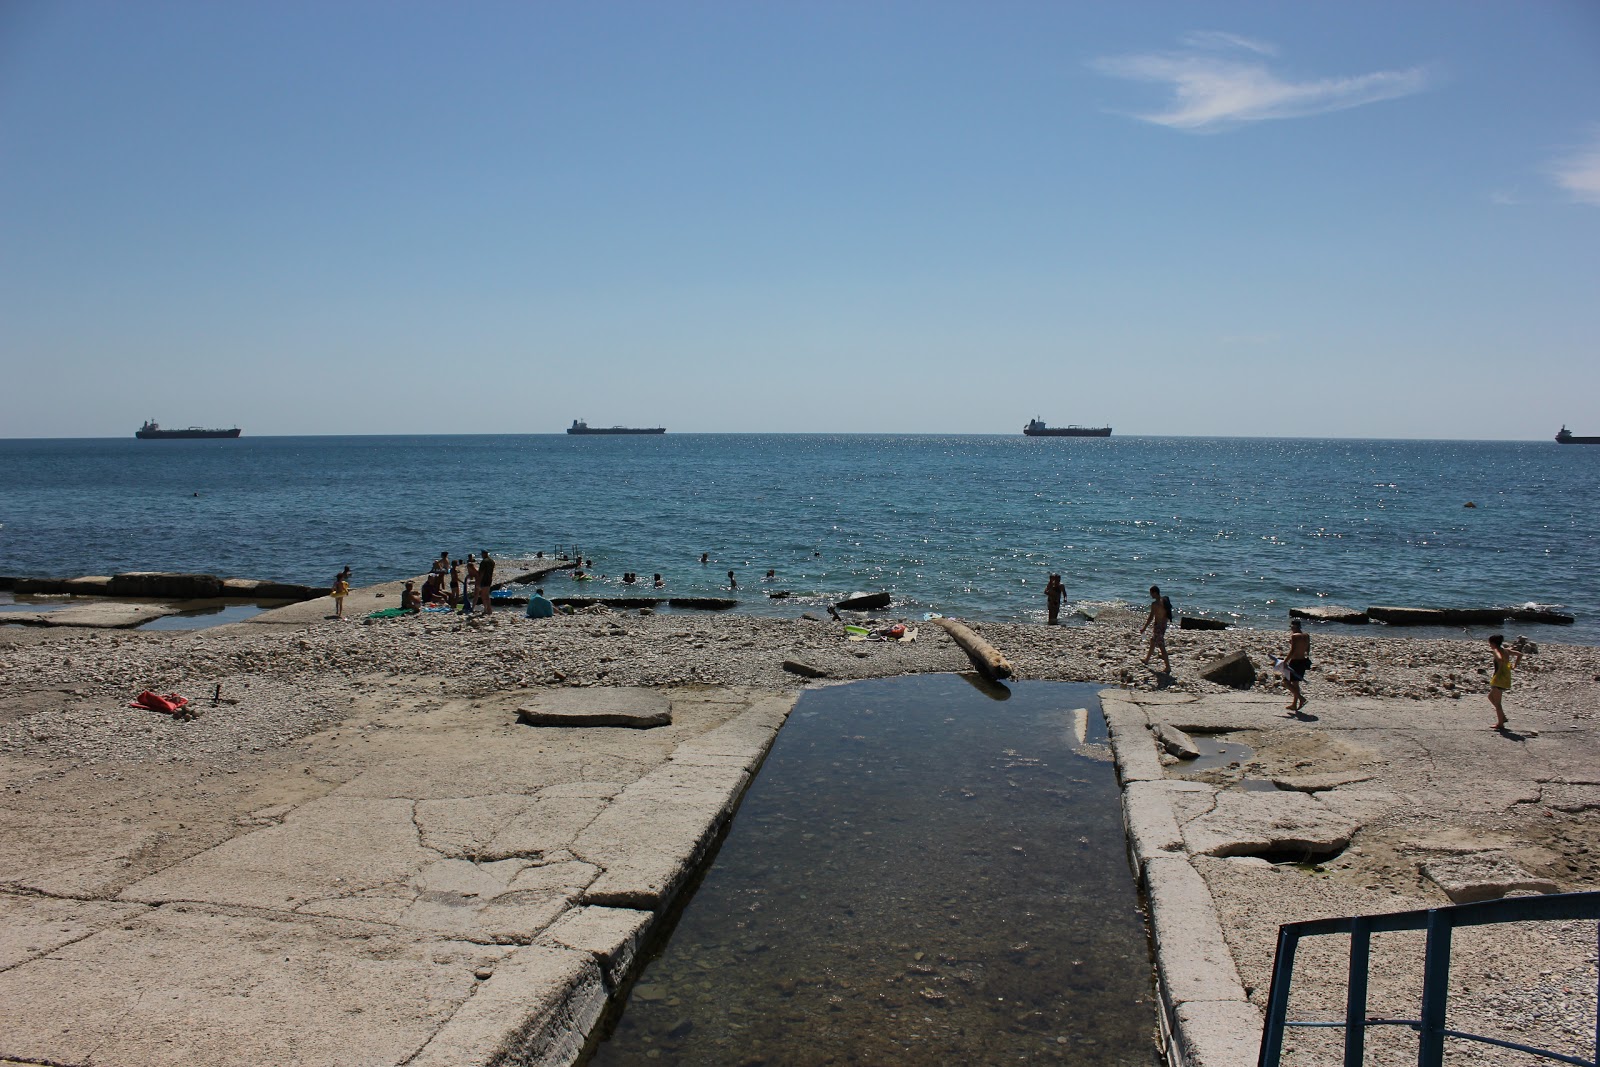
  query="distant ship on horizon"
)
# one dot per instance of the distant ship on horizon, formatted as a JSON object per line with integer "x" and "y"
{"x": 152, "y": 431}
{"x": 1037, "y": 428}
{"x": 1566, "y": 437}
{"x": 581, "y": 427}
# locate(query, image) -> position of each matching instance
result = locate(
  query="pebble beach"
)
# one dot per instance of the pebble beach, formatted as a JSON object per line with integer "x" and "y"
{"x": 293, "y": 676}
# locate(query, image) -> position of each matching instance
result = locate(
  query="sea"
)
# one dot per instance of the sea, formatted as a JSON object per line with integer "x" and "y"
{"x": 972, "y": 525}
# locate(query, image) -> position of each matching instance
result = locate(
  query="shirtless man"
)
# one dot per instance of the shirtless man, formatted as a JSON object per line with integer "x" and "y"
{"x": 1296, "y": 662}
{"x": 1159, "y": 616}
{"x": 409, "y": 600}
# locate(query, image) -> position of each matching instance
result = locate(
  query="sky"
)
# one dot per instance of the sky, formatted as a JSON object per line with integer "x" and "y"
{"x": 1314, "y": 219}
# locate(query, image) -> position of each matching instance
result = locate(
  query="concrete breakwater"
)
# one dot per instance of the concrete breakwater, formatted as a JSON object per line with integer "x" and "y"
{"x": 162, "y": 585}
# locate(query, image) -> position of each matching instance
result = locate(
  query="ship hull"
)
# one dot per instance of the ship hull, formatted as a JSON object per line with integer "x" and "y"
{"x": 1070, "y": 431}
{"x": 167, "y": 435}
{"x": 612, "y": 430}
{"x": 1570, "y": 440}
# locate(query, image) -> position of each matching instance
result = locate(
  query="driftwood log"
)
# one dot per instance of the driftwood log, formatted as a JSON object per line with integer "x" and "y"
{"x": 984, "y": 656}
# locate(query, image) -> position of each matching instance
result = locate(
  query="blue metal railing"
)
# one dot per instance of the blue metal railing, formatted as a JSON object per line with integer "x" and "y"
{"x": 1439, "y": 924}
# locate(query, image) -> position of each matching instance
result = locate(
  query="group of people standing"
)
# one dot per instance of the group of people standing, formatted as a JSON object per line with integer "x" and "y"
{"x": 455, "y": 584}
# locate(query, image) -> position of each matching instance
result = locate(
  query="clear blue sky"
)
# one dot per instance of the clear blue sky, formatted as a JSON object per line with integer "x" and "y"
{"x": 1303, "y": 219}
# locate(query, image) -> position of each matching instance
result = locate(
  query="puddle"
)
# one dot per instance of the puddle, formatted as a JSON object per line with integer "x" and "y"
{"x": 9, "y": 602}
{"x": 207, "y": 617}
{"x": 919, "y": 874}
{"x": 1216, "y": 755}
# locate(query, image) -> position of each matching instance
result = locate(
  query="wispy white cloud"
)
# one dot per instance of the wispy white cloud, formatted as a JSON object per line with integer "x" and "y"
{"x": 1217, "y": 40}
{"x": 1211, "y": 92}
{"x": 1579, "y": 172}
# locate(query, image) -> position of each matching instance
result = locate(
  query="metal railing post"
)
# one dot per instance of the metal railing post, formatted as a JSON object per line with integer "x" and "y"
{"x": 1278, "y": 998}
{"x": 1435, "y": 989}
{"x": 1355, "y": 1004}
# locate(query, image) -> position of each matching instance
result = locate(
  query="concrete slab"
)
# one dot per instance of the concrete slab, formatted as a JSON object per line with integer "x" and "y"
{"x": 181, "y": 984}
{"x": 334, "y": 846}
{"x": 1218, "y": 1034}
{"x": 1191, "y": 954}
{"x": 33, "y": 926}
{"x": 1248, "y": 823}
{"x": 1482, "y": 876}
{"x": 1152, "y": 827}
{"x": 536, "y": 1010}
{"x": 636, "y": 708}
{"x": 613, "y": 936}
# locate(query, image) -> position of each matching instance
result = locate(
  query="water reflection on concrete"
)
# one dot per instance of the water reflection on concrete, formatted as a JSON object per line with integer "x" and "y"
{"x": 919, "y": 875}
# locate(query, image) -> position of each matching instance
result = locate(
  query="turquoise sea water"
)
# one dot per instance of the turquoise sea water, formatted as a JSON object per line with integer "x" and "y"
{"x": 959, "y": 524}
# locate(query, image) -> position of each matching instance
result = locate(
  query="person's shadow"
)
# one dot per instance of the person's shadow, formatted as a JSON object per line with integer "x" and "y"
{"x": 1510, "y": 734}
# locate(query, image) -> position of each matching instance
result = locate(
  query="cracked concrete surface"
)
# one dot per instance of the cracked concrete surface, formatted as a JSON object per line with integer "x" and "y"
{"x": 427, "y": 882}
{"x": 1387, "y": 805}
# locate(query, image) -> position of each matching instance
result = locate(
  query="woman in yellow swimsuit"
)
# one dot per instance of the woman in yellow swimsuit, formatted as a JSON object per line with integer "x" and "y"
{"x": 1504, "y": 660}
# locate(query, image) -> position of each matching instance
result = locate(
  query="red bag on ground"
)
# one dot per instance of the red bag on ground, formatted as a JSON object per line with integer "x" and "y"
{"x": 155, "y": 702}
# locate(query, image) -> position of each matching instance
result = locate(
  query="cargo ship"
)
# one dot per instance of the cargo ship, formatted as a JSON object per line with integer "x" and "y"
{"x": 1037, "y": 428}
{"x": 579, "y": 426}
{"x": 152, "y": 431}
{"x": 1565, "y": 437}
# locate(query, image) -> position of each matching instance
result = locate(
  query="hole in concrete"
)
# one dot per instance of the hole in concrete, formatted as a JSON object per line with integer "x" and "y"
{"x": 919, "y": 874}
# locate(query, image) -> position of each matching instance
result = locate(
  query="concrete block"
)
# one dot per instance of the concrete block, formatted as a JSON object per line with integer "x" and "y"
{"x": 1152, "y": 827}
{"x": 1250, "y": 823}
{"x": 1221, "y": 1034}
{"x": 535, "y": 1011}
{"x": 613, "y": 936}
{"x": 1192, "y": 957}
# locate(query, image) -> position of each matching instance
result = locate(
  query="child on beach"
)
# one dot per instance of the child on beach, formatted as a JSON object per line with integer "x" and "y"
{"x": 341, "y": 589}
{"x": 1504, "y": 660}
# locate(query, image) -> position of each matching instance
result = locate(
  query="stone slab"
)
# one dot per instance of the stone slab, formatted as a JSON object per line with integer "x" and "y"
{"x": 191, "y": 984}
{"x": 1175, "y": 741}
{"x": 1219, "y": 1034}
{"x": 535, "y": 1011}
{"x": 1152, "y": 827}
{"x": 1191, "y": 955}
{"x": 105, "y": 615}
{"x": 1482, "y": 876}
{"x": 333, "y": 846}
{"x": 612, "y": 936}
{"x": 1244, "y": 823}
{"x": 1331, "y": 613}
{"x": 637, "y": 708}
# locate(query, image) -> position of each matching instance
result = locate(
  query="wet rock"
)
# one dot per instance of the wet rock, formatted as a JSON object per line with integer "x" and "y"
{"x": 805, "y": 670}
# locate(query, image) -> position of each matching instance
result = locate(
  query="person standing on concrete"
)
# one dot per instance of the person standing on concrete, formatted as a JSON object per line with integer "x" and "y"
{"x": 1053, "y": 591}
{"x": 485, "y": 581}
{"x": 1295, "y": 664}
{"x": 1500, "y": 682}
{"x": 1156, "y": 621}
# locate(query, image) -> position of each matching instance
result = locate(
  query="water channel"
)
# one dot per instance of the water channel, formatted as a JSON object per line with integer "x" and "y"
{"x": 920, "y": 874}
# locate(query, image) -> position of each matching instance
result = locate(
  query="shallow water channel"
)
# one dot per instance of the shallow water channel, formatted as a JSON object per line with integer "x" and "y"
{"x": 920, "y": 874}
